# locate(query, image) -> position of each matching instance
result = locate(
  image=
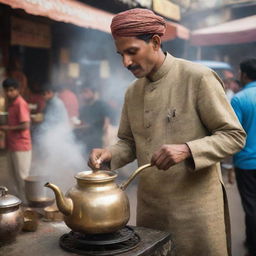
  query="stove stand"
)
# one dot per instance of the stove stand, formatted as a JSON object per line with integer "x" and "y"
{"x": 102, "y": 244}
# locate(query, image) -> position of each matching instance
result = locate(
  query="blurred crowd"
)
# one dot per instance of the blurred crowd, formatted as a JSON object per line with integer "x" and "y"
{"x": 36, "y": 118}
{"x": 44, "y": 123}
{"x": 241, "y": 167}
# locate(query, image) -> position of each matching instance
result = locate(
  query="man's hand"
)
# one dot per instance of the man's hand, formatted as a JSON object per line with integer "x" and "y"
{"x": 98, "y": 157}
{"x": 169, "y": 155}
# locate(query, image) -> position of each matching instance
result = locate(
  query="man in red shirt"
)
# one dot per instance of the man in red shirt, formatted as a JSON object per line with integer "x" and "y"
{"x": 18, "y": 137}
{"x": 70, "y": 101}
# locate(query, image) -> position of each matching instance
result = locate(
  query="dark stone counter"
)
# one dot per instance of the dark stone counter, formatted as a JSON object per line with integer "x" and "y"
{"x": 45, "y": 242}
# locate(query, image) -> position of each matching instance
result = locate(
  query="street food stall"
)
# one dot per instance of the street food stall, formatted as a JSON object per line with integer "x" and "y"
{"x": 95, "y": 213}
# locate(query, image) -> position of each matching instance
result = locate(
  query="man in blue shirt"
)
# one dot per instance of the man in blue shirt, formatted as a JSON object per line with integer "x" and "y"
{"x": 244, "y": 104}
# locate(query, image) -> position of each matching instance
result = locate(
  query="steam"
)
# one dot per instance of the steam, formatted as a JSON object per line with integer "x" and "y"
{"x": 56, "y": 153}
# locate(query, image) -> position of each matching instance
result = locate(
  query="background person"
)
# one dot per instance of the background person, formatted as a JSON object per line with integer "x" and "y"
{"x": 54, "y": 152}
{"x": 95, "y": 115}
{"x": 176, "y": 116}
{"x": 54, "y": 118}
{"x": 15, "y": 71}
{"x": 244, "y": 104}
{"x": 18, "y": 137}
{"x": 70, "y": 101}
{"x": 54, "y": 111}
{"x": 231, "y": 87}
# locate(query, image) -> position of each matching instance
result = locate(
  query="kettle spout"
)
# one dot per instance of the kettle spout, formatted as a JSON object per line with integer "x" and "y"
{"x": 64, "y": 204}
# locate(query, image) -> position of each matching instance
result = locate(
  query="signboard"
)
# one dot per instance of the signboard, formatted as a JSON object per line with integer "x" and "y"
{"x": 30, "y": 33}
{"x": 167, "y": 9}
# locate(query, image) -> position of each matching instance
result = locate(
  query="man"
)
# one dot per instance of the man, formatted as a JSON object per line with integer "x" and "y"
{"x": 70, "y": 102}
{"x": 53, "y": 138}
{"x": 244, "y": 104}
{"x": 177, "y": 117}
{"x": 18, "y": 137}
{"x": 53, "y": 125}
{"x": 55, "y": 112}
{"x": 95, "y": 115}
{"x": 231, "y": 87}
{"x": 15, "y": 71}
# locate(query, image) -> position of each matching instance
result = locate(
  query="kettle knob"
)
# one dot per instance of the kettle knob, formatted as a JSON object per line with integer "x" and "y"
{"x": 3, "y": 190}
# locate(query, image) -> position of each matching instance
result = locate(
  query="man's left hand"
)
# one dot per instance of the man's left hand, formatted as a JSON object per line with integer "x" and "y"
{"x": 169, "y": 155}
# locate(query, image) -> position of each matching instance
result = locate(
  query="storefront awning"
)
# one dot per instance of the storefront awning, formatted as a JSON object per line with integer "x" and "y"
{"x": 69, "y": 11}
{"x": 175, "y": 30}
{"x": 232, "y": 32}
{"x": 83, "y": 15}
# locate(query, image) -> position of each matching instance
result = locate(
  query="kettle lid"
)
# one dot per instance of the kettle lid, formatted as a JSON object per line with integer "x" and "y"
{"x": 7, "y": 200}
{"x": 99, "y": 175}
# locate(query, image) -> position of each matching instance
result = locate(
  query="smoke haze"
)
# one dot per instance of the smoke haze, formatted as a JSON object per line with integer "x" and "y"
{"x": 56, "y": 153}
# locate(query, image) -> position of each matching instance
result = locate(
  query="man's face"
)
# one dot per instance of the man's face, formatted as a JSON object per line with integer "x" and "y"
{"x": 47, "y": 95}
{"x": 11, "y": 93}
{"x": 138, "y": 56}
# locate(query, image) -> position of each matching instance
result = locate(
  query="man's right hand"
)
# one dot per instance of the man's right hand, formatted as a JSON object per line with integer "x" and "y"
{"x": 98, "y": 157}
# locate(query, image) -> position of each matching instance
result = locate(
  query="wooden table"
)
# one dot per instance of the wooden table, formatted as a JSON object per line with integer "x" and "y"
{"x": 45, "y": 242}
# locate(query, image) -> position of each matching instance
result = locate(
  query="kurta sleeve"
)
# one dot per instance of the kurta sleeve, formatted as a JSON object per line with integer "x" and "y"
{"x": 124, "y": 151}
{"x": 226, "y": 135}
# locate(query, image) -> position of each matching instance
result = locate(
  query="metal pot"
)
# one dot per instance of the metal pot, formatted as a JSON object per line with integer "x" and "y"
{"x": 96, "y": 204}
{"x": 36, "y": 193}
{"x": 11, "y": 216}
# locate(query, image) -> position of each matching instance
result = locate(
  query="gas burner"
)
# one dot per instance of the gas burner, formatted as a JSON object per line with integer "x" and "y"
{"x": 119, "y": 236}
{"x": 120, "y": 241}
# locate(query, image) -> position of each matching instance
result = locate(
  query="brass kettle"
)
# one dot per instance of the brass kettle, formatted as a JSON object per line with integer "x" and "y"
{"x": 96, "y": 205}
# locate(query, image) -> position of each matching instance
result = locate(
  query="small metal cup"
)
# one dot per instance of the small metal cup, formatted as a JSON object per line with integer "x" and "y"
{"x": 31, "y": 220}
{"x": 52, "y": 213}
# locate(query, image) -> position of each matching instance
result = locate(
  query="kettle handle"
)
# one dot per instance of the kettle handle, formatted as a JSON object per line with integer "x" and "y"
{"x": 124, "y": 185}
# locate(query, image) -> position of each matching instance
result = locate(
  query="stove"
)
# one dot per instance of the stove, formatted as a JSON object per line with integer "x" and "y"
{"x": 109, "y": 244}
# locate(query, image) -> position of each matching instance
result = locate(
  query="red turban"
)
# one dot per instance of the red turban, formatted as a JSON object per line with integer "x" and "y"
{"x": 136, "y": 22}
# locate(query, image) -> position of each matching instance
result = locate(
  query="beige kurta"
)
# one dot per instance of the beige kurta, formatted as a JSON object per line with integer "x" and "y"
{"x": 182, "y": 103}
